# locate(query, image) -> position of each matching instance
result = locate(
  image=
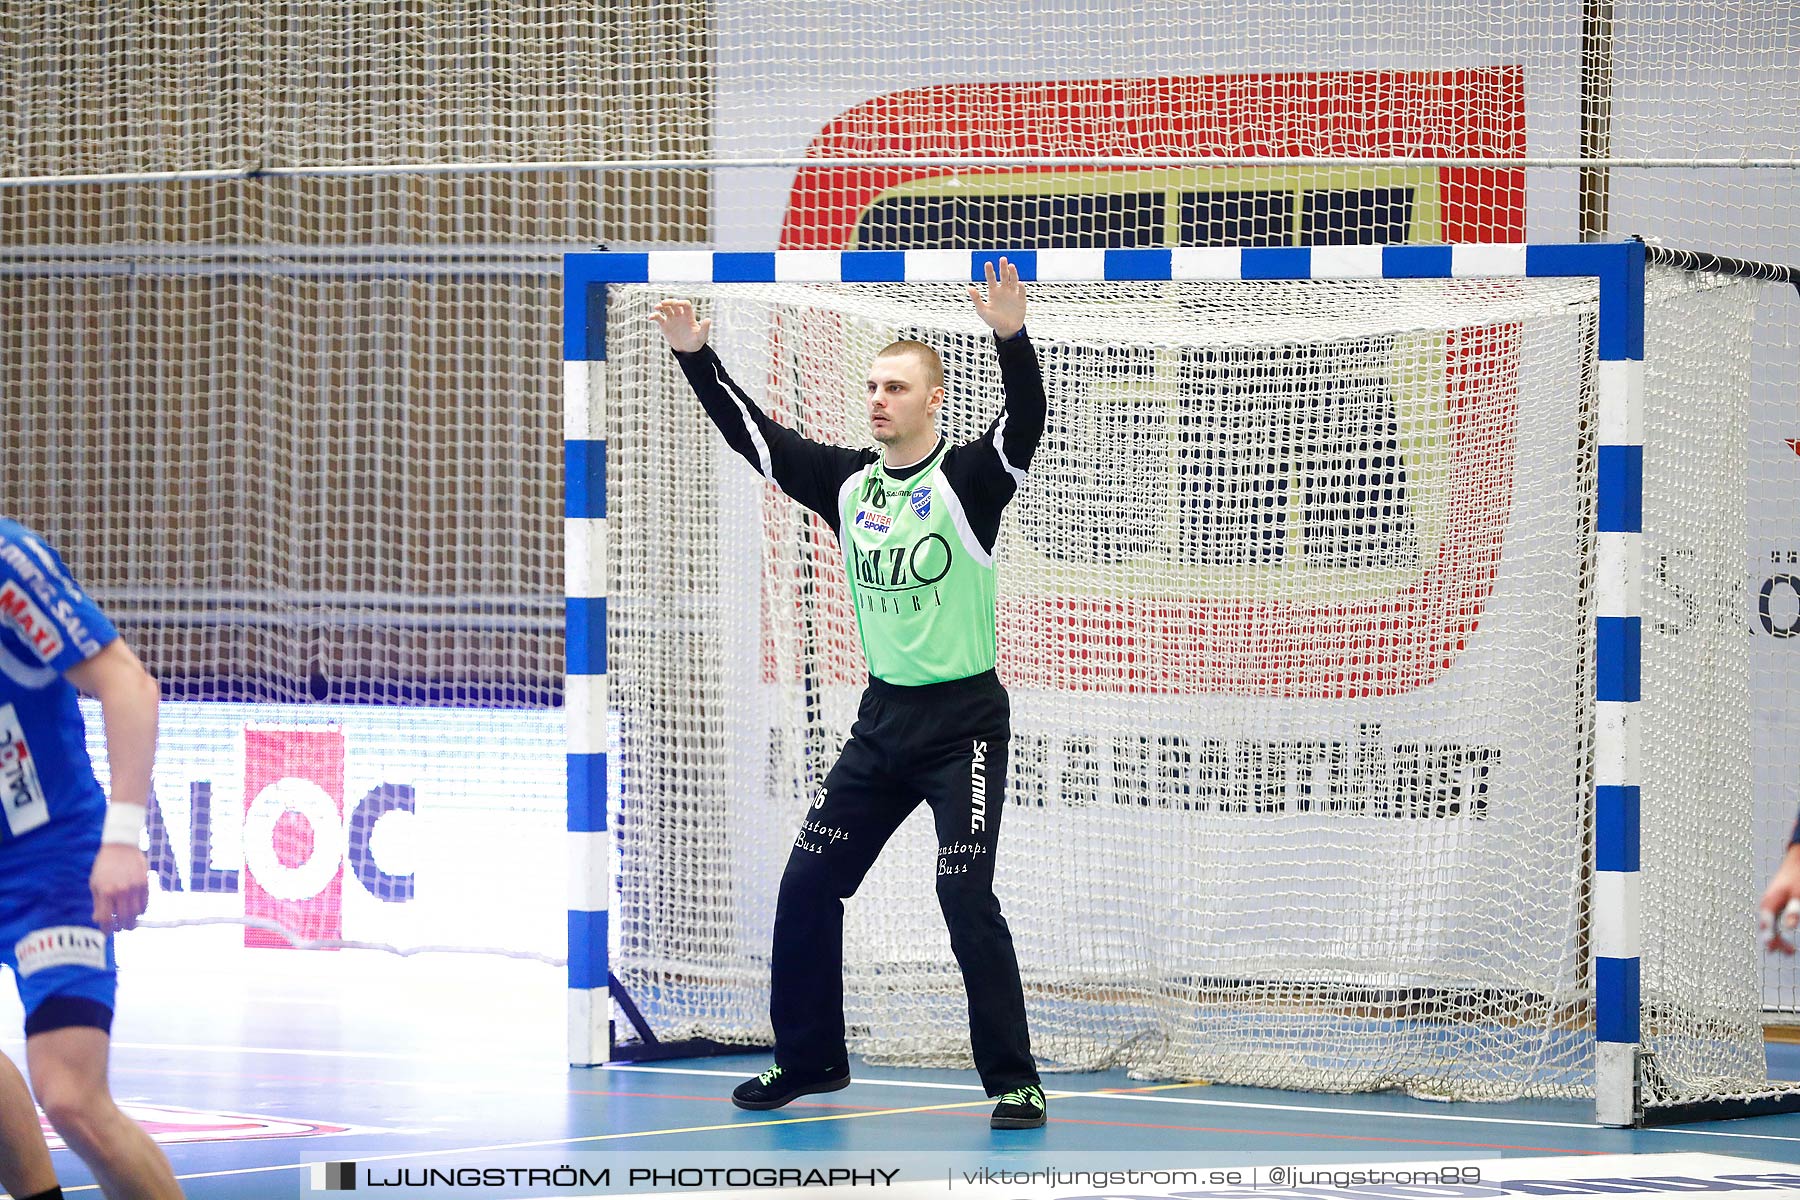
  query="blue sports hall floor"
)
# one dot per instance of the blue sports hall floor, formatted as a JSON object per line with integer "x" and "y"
{"x": 250, "y": 1071}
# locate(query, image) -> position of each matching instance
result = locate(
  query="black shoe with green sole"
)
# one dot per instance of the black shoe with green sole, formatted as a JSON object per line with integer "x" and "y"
{"x": 1021, "y": 1108}
{"x": 777, "y": 1085}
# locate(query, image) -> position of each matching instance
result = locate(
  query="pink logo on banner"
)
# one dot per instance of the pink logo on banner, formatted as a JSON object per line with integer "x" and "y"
{"x": 294, "y": 833}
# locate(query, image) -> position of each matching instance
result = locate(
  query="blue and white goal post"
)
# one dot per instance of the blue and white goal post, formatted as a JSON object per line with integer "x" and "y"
{"x": 1614, "y": 928}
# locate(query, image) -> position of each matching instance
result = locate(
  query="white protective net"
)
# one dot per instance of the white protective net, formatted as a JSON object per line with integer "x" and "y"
{"x": 1295, "y": 617}
{"x": 355, "y": 138}
{"x": 1701, "y": 857}
{"x": 343, "y": 547}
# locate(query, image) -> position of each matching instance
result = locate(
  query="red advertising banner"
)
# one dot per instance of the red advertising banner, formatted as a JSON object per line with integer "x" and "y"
{"x": 293, "y": 832}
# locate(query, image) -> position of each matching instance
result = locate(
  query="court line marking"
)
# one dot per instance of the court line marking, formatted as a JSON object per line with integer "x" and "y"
{"x": 1106, "y": 1094}
{"x": 609, "y": 1137}
{"x": 866, "y": 1110}
{"x": 375, "y": 1055}
{"x": 579, "y": 1140}
{"x": 815, "y": 1119}
{"x": 1097, "y": 1094}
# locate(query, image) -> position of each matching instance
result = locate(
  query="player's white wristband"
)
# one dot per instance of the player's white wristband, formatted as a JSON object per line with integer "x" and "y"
{"x": 124, "y": 825}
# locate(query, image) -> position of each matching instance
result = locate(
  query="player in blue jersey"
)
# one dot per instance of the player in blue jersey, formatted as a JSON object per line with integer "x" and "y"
{"x": 71, "y": 873}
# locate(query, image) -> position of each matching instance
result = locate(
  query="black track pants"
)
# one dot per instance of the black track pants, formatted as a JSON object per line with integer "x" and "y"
{"x": 945, "y": 743}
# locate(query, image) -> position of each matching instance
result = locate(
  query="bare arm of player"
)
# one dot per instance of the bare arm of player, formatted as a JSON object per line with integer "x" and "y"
{"x": 1003, "y": 308}
{"x": 1779, "y": 913}
{"x": 128, "y": 705}
{"x": 676, "y": 320}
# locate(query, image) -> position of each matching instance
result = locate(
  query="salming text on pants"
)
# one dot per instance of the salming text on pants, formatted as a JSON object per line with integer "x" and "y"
{"x": 945, "y": 743}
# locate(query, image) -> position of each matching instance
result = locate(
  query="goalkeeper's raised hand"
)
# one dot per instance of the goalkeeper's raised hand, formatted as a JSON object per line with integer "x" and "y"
{"x": 676, "y": 320}
{"x": 1003, "y": 308}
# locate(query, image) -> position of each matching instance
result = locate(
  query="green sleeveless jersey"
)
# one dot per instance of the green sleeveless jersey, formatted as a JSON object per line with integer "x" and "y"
{"x": 921, "y": 583}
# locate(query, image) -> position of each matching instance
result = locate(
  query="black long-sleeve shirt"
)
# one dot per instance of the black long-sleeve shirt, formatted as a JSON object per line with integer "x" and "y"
{"x": 985, "y": 471}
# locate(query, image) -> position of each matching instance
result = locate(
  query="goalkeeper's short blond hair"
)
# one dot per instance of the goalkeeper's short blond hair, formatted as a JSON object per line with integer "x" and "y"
{"x": 933, "y": 363}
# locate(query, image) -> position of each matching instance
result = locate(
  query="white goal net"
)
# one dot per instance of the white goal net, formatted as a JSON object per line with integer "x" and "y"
{"x": 1296, "y": 617}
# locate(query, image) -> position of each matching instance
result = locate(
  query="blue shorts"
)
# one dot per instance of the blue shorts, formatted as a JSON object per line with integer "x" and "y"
{"x": 63, "y": 964}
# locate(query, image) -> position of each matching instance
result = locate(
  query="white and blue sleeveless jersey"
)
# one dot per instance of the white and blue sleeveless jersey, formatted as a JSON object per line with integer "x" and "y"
{"x": 47, "y": 625}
